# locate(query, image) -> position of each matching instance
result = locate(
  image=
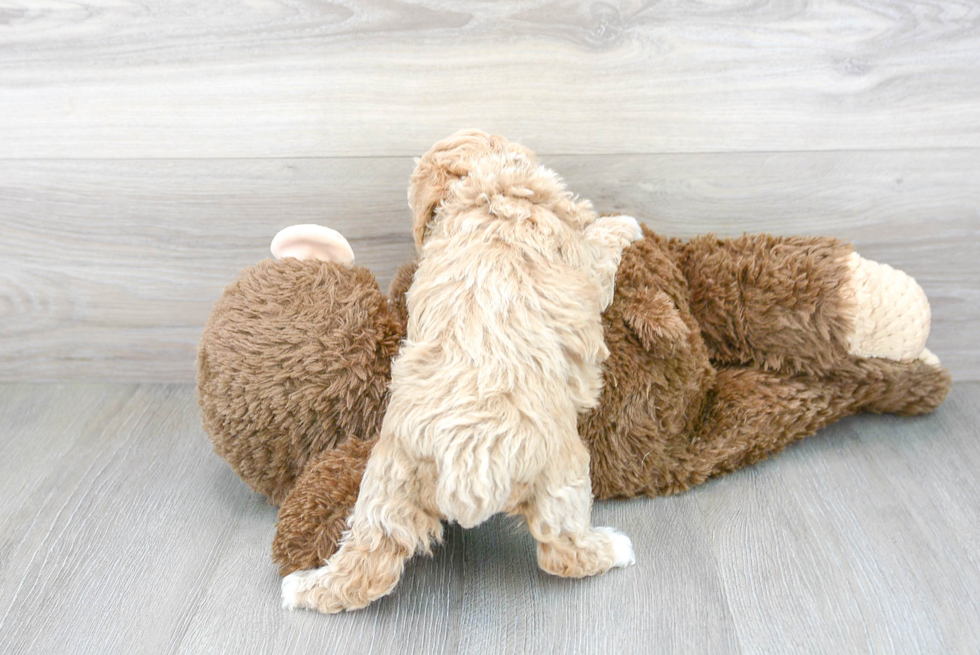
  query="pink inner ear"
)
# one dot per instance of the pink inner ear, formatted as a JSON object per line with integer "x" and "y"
{"x": 309, "y": 241}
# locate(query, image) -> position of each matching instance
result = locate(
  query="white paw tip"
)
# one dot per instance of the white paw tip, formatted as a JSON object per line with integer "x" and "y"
{"x": 292, "y": 590}
{"x": 622, "y": 548}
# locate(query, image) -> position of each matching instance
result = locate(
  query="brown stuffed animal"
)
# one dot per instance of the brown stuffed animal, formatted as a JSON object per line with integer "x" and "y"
{"x": 722, "y": 352}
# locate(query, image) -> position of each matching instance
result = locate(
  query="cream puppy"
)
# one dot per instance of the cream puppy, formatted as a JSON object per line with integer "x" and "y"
{"x": 503, "y": 352}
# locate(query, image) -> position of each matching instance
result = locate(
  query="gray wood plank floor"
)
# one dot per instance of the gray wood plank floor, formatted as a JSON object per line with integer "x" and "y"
{"x": 121, "y": 532}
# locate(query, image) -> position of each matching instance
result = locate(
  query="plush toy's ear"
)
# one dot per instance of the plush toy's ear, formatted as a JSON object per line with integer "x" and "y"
{"x": 312, "y": 242}
{"x": 654, "y": 318}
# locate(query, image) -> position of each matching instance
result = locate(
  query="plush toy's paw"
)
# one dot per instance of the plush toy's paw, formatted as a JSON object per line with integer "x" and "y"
{"x": 622, "y": 547}
{"x": 890, "y": 312}
{"x": 309, "y": 241}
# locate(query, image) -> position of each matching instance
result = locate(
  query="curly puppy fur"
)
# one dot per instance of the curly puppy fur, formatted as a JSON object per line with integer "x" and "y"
{"x": 503, "y": 352}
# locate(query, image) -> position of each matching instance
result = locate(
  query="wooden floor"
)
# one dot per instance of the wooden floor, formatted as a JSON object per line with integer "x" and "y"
{"x": 122, "y": 532}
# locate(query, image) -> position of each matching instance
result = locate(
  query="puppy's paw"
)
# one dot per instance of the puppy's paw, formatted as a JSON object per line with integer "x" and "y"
{"x": 324, "y": 590}
{"x": 292, "y": 594}
{"x": 625, "y": 228}
{"x": 634, "y": 232}
{"x": 295, "y": 589}
{"x": 622, "y": 547}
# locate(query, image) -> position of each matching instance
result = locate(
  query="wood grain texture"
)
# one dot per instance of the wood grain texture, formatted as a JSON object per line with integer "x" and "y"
{"x": 663, "y": 608}
{"x": 108, "y": 269}
{"x": 291, "y": 78}
{"x": 107, "y": 550}
{"x": 860, "y": 509}
{"x": 121, "y": 532}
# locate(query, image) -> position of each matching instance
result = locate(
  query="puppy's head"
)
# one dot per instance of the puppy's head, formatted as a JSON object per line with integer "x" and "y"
{"x": 446, "y": 162}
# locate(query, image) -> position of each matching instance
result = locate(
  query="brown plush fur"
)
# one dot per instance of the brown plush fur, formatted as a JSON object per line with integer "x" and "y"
{"x": 294, "y": 360}
{"x": 722, "y": 353}
{"x": 318, "y": 506}
{"x": 768, "y": 301}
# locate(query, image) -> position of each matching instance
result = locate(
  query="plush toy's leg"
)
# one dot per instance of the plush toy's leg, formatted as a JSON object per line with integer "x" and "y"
{"x": 558, "y": 516}
{"x": 389, "y": 525}
{"x": 799, "y": 304}
{"x": 752, "y": 414}
{"x": 314, "y": 515}
{"x": 883, "y": 386}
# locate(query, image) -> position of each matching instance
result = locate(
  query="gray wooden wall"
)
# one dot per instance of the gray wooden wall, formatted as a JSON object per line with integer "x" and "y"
{"x": 150, "y": 149}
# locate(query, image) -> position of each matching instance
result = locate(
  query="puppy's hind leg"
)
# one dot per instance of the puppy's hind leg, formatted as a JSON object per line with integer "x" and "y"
{"x": 389, "y": 525}
{"x": 558, "y": 518}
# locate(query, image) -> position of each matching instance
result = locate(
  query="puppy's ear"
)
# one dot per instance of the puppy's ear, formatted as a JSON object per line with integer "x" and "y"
{"x": 433, "y": 174}
{"x": 447, "y": 161}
